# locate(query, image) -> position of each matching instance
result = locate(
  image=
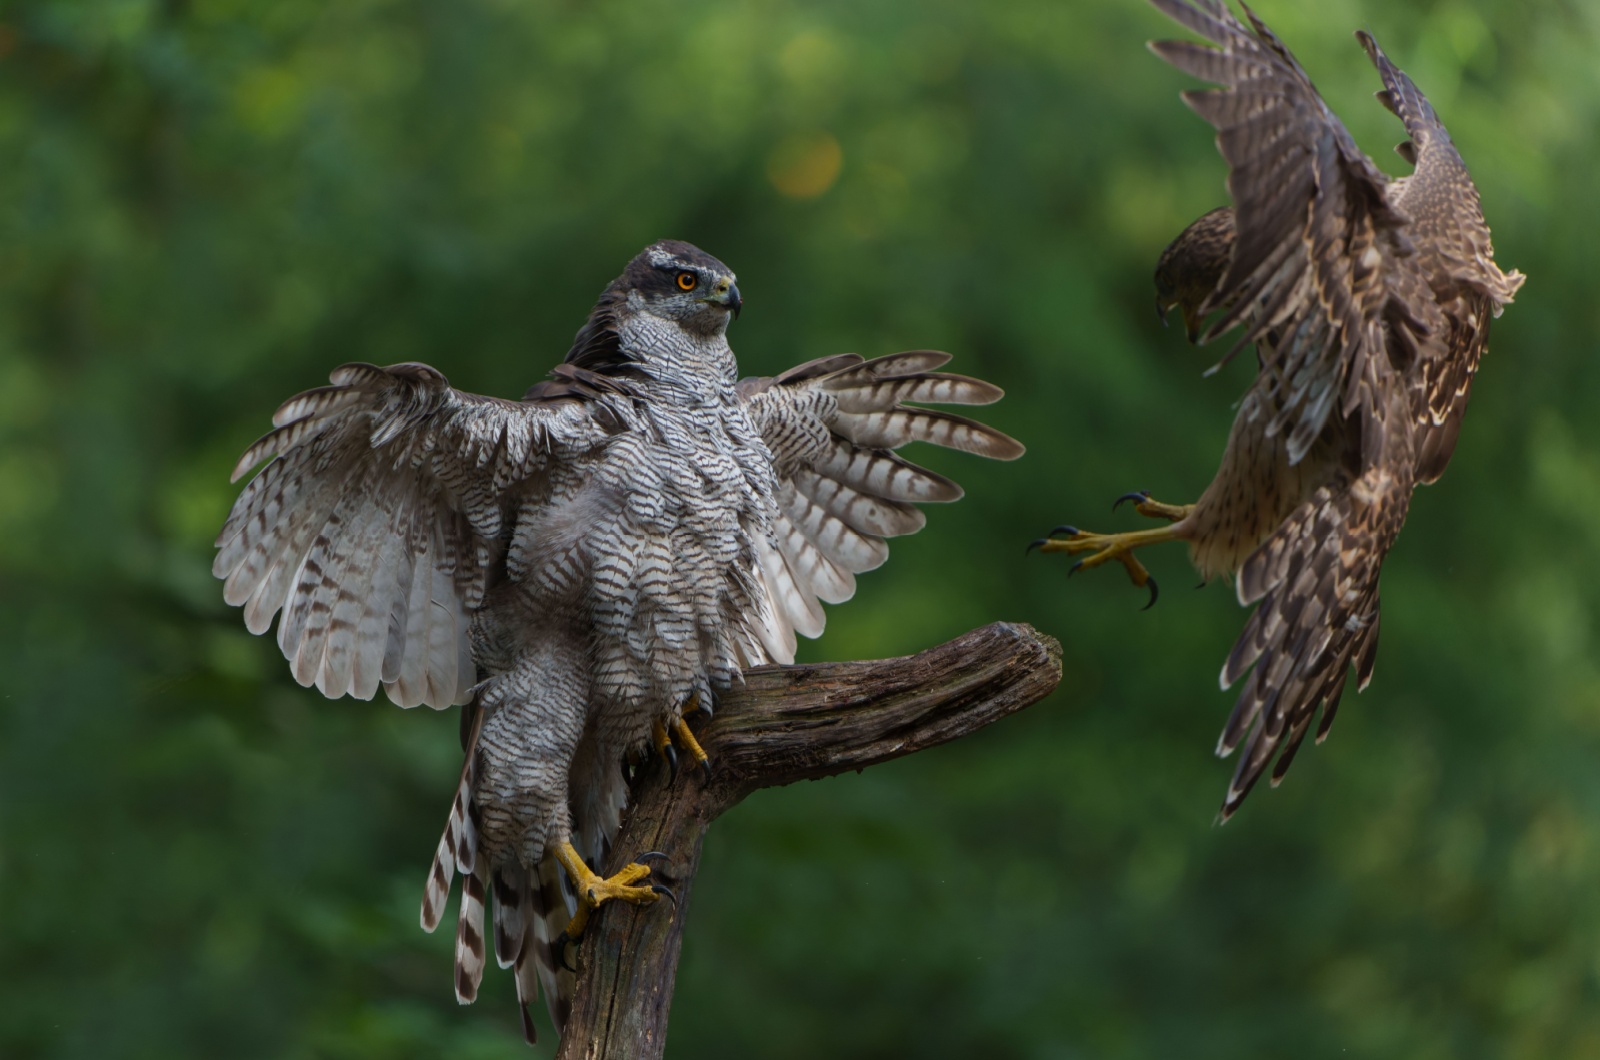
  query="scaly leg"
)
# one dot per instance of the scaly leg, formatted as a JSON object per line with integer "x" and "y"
{"x": 1105, "y": 547}
{"x": 594, "y": 890}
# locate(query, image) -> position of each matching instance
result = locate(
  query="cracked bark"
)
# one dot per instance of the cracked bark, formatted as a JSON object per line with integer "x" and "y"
{"x": 787, "y": 723}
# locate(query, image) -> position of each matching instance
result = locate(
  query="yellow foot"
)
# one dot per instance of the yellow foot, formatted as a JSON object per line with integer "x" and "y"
{"x": 678, "y": 729}
{"x": 1102, "y": 548}
{"x": 594, "y": 891}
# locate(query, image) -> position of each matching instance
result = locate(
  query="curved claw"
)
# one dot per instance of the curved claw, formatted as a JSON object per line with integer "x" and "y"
{"x": 670, "y": 753}
{"x": 1155, "y": 592}
{"x": 1137, "y": 497}
{"x": 656, "y": 887}
{"x": 560, "y": 946}
{"x": 1074, "y": 568}
{"x": 648, "y": 854}
{"x": 705, "y": 770}
{"x": 1065, "y": 528}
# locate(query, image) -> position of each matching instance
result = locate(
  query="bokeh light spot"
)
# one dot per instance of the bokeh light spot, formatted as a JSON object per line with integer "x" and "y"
{"x": 805, "y": 166}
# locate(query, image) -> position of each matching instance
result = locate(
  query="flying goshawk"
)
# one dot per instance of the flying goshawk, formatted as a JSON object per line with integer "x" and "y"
{"x": 1369, "y": 301}
{"x": 578, "y": 568}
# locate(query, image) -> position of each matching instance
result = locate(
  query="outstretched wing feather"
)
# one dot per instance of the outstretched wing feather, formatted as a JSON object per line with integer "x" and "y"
{"x": 1307, "y": 204}
{"x": 374, "y": 525}
{"x": 831, "y": 425}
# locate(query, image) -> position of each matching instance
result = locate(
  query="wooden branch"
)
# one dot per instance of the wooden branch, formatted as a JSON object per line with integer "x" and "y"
{"x": 787, "y": 723}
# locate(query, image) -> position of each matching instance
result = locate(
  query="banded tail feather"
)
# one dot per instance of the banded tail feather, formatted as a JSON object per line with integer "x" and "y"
{"x": 470, "y": 953}
{"x": 458, "y": 841}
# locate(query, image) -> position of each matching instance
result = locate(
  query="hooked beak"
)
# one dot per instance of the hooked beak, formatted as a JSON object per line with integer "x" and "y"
{"x": 726, "y": 295}
{"x": 1191, "y": 319}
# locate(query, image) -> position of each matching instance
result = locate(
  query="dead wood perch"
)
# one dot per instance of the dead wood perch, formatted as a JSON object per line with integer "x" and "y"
{"x": 787, "y": 723}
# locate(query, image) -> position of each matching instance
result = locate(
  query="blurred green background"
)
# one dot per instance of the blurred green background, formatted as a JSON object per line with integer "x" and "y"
{"x": 206, "y": 205}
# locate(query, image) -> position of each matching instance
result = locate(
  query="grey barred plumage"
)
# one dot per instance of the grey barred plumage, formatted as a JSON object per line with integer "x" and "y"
{"x": 1369, "y": 301}
{"x": 578, "y": 567}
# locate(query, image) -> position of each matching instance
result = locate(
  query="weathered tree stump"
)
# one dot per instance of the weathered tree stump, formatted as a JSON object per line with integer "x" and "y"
{"x": 787, "y": 723}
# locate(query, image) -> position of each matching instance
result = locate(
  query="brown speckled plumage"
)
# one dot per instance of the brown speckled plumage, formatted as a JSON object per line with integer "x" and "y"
{"x": 1369, "y": 301}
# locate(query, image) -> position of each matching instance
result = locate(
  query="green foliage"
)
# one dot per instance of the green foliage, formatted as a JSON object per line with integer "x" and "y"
{"x": 208, "y": 205}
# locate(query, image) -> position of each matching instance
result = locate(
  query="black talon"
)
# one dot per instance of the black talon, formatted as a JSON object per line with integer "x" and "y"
{"x": 648, "y": 854}
{"x": 1074, "y": 568}
{"x": 560, "y": 946}
{"x": 670, "y": 753}
{"x": 705, "y": 769}
{"x": 1137, "y": 496}
{"x": 1035, "y": 543}
{"x": 656, "y": 887}
{"x": 1155, "y": 591}
{"x": 1065, "y": 528}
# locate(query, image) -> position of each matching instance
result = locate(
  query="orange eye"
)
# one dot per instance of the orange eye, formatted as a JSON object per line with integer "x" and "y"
{"x": 687, "y": 281}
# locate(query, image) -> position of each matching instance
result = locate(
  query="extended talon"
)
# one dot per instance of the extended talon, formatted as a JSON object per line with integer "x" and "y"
{"x": 1102, "y": 548}
{"x": 1120, "y": 547}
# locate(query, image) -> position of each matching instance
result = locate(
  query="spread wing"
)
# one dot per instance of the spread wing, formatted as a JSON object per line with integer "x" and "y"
{"x": 376, "y": 525}
{"x": 1319, "y": 246}
{"x": 832, "y": 425}
{"x": 1454, "y": 251}
{"x": 1367, "y": 298}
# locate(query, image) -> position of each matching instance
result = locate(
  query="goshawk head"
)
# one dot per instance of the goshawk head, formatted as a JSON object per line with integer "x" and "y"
{"x": 680, "y": 282}
{"x": 1192, "y": 266}
{"x": 671, "y": 280}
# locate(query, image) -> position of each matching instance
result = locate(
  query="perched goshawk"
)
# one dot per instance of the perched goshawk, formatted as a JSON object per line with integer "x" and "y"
{"x": 1369, "y": 301}
{"x": 579, "y": 568}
